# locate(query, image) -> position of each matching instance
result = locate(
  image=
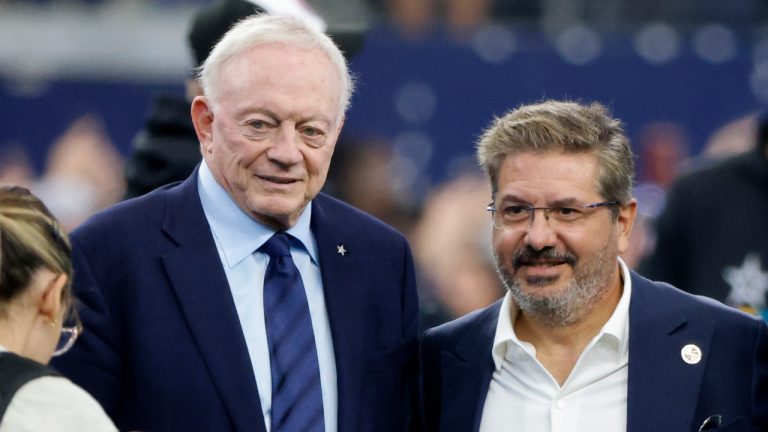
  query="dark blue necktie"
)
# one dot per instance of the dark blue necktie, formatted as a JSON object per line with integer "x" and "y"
{"x": 297, "y": 402}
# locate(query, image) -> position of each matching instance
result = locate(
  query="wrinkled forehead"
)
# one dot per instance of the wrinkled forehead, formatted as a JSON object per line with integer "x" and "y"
{"x": 286, "y": 65}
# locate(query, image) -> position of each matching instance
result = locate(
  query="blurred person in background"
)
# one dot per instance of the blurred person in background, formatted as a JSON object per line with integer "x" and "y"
{"x": 712, "y": 236}
{"x": 416, "y": 18}
{"x": 35, "y": 303}
{"x": 15, "y": 166}
{"x": 184, "y": 286}
{"x": 581, "y": 342}
{"x": 663, "y": 153}
{"x": 664, "y": 150}
{"x": 361, "y": 176}
{"x": 82, "y": 172}
{"x": 453, "y": 252}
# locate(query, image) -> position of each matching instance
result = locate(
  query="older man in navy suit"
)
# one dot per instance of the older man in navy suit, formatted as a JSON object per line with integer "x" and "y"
{"x": 580, "y": 342}
{"x": 242, "y": 299}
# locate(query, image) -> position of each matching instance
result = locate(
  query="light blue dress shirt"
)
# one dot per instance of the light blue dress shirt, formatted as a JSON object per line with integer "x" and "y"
{"x": 238, "y": 238}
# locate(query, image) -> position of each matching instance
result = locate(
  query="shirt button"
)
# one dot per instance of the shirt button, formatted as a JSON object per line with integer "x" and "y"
{"x": 560, "y": 404}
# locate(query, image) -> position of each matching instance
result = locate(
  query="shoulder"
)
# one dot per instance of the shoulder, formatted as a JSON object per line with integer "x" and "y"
{"x": 126, "y": 215}
{"x": 665, "y": 298}
{"x": 326, "y": 206}
{"x": 478, "y": 323}
{"x": 329, "y": 213}
{"x": 55, "y": 404}
{"x": 135, "y": 217}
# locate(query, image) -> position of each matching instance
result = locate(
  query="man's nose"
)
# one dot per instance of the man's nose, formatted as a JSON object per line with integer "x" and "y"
{"x": 285, "y": 148}
{"x": 539, "y": 233}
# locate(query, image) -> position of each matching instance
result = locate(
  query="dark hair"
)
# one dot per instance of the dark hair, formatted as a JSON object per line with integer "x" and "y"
{"x": 211, "y": 23}
{"x": 30, "y": 239}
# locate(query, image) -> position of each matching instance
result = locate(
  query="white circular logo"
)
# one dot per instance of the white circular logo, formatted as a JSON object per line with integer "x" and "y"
{"x": 691, "y": 354}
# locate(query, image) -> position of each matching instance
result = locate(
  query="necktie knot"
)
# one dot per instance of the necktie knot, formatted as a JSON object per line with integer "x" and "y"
{"x": 279, "y": 245}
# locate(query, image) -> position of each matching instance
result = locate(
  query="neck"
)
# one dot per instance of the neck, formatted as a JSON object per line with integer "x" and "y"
{"x": 14, "y": 335}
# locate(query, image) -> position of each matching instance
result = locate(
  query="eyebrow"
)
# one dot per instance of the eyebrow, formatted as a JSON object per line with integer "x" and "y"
{"x": 264, "y": 111}
{"x": 513, "y": 199}
{"x": 564, "y": 202}
{"x": 273, "y": 115}
{"x": 560, "y": 202}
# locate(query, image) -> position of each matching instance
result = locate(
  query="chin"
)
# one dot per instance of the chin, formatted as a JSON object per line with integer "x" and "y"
{"x": 544, "y": 293}
{"x": 274, "y": 206}
{"x": 281, "y": 213}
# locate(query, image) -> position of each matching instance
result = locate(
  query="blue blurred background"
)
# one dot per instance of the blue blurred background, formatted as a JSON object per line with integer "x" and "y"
{"x": 429, "y": 91}
{"x": 78, "y": 77}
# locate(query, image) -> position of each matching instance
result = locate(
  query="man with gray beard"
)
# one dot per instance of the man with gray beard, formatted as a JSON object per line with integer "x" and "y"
{"x": 568, "y": 306}
{"x": 580, "y": 342}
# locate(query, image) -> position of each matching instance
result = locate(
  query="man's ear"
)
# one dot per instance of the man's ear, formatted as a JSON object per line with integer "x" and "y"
{"x": 49, "y": 304}
{"x": 202, "y": 118}
{"x": 626, "y": 221}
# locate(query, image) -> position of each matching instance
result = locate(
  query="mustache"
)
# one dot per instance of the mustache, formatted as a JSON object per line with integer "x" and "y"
{"x": 528, "y": 254}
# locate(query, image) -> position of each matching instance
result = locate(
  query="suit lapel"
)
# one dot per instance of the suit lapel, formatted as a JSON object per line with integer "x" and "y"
{"x": 467, "y": 372}
{"x": 205, "y": 299}
{"x": 343, "y": 284}
{"x": 658, "y": 376}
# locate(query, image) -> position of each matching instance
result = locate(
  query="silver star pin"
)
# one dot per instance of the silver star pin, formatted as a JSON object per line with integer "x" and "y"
{"x": 341, "y": 250}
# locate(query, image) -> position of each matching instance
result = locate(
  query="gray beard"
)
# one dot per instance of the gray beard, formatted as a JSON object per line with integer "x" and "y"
{"x": 588, "y": 286}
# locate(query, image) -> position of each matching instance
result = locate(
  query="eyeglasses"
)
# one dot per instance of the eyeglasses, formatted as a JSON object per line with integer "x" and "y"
{"x": 67, "y": 339}
{"x": 519, "y": 216}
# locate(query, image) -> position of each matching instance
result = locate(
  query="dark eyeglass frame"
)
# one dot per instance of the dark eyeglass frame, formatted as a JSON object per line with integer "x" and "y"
{"x": 531, "y": 210}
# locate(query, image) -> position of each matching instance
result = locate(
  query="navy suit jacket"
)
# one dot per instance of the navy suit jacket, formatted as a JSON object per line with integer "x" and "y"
{"x": 163, "y": 349}
{"x": 664, "y": 392}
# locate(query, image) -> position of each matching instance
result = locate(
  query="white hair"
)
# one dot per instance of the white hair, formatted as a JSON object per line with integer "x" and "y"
{"x": 264, "y": 29}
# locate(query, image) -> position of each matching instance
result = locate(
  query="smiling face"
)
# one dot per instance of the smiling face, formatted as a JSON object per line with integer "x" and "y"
{"x": 557, "y": 272}
{"x": 269, "y": 137}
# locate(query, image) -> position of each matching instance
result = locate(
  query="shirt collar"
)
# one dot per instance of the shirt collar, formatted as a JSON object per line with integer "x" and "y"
{"x": 505, "y": 332}
{"x": 616, "y": 327}
{"x": 237, "y": 233}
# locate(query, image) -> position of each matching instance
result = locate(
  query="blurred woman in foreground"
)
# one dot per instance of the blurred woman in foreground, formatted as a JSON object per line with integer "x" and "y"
{"x": 35, "y": 303}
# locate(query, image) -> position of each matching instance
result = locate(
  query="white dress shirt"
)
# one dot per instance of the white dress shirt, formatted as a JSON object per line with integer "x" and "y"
{"x": 238, "y": 238}
{"x": 524, "y": 396}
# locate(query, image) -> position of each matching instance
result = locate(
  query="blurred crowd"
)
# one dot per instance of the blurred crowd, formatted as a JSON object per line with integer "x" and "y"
{"x": 448, "y": 228}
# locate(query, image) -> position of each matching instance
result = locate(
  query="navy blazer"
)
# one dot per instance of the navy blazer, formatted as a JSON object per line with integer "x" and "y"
{"x": 664, "y": 392}
{"x": 163, "y": 349}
